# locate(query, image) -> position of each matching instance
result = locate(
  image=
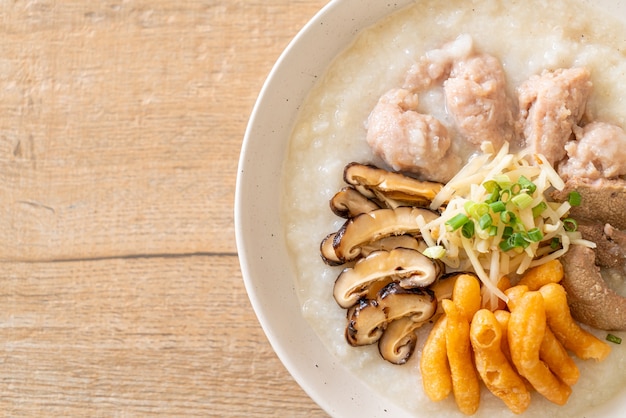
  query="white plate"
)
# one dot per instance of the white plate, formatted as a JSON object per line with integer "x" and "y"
{"x": 266, "y": 267}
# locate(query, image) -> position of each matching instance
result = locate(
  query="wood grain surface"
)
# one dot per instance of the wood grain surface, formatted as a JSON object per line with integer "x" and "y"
{"x": 120, "y": 129}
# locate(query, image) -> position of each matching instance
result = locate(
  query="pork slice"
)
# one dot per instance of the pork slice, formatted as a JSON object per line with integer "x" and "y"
{"x": 598, "y": 151}
{"x": 602, "y": 200}
{"x": 550, "y": 106}
{"x": 476, "y": 97}
{"x": 591, "y": 301}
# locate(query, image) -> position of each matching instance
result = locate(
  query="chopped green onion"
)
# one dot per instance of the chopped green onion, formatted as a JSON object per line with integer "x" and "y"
{"x": 527, "y": 184}
{"x": 519, "y": 226}
{"x": 497, "y": 206}
{"x": 506, "y": 245}
{"x": 519, "y": 240}
{"x": 491, "y": 186}
{"x": 515, "y": 189}
{"x": 505, "y": 195}
{"x": 493, "y": 190}
{"x": 555, "y": 243}
{"x": 480, "y": 210}
{"x": 435, "y": 252}
{"x": 493, "y": 231}
{"x": 613, "y": 338}
{"x": 508, "y": 231}
{"x": 535, "y": 235}
{"x": 493, "y": 197}
{"x": 468, "y": 229}
{"x": 503, "y": 180}
{"x": 522, "y": 200}
{"x": 574, "y": 198}
{"x": 539, "y": 209}
{"x": 485, "y": 221}
{"x": 508, "y": 217}
{"x": 570, "y": 224}
{"x": 476, "y": 210}
{"x": 456, "y": 222}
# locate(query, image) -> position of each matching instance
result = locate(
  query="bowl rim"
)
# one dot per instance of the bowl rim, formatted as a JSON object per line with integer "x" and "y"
{"x": 291, "y": 78}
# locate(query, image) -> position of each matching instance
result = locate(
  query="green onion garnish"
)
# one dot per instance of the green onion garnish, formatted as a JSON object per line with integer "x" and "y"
{"x": 574, "y": 198}
{"x": 435, "y": 252}
{"x": 456, "y": 222}
{"x": 535, "y": 235}
{"x": 468, "y": 229}
{"x": 497, "y": 206}
{"x": 503, "y": 180}
{"x": 515, "y": 241}
{"x": 485, "y": 221}
{"x": 522, "y": 200}
{"x": 570, "y": 225}
{"x": 527, "y": 185}
{"x": 493, "y": 191}
{"x": 506, "y": 245}
{"x": 508, "y": 231}
{"x": 508, "y": 217}
{"x": 555, "y": 243}
{"x": 519, "y": 240}
{"x": 476, "y": 210}
{"x": 505, "y": 195}
{"x": 613, "y": 338}
{"x": 491, "y": 186}
{"x": 539, "y": 209}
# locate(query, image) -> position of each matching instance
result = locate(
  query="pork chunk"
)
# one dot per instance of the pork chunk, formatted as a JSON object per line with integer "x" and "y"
{"x": 598, "y": 152}
{"x": 436, "y": 64}
{"x": 474, "y": 88}
{"x": 550, "y": 106}
{"x": 476, "y": 98}
{"x": 410, "y": 141}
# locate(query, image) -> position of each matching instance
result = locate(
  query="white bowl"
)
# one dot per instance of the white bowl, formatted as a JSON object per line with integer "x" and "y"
{"x": 267, "y": 270}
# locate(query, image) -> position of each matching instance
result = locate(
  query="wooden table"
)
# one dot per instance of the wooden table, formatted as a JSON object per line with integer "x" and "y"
{"x": 120, "y": 129}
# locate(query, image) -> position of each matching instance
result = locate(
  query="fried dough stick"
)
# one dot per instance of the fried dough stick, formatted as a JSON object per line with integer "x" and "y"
{"x": 526, "y": 330}
{"x": 465, "y": 383}
{"x": 492, "y": 365}
{"x": 434, "y": 367}
{"x": 582, "y": 343}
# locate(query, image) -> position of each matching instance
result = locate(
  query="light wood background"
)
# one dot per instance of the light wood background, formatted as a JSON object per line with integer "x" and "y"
{"x": 121, "y": 123}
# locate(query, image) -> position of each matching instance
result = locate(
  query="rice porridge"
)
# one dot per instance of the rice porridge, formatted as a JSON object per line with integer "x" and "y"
{"x": 527, "y": 37}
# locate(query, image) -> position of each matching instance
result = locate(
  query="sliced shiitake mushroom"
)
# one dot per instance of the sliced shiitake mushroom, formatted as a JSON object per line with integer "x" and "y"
{"x": 419, "y": 304}
{"x": 387, "y": 185}
{"x": 420, "y": 280}
{"x": 374, "y": 288}
{"x": 394, "y": 241}
{"x": 410, "y": 267}
{"x": 399, "y": 340}
{"x": 366, "y": 323}
{"x": 377, "y": 224}
{"x": 348, "y": 203}
{"x": 386, "y": 243}
{"x": 327, "y": 251}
